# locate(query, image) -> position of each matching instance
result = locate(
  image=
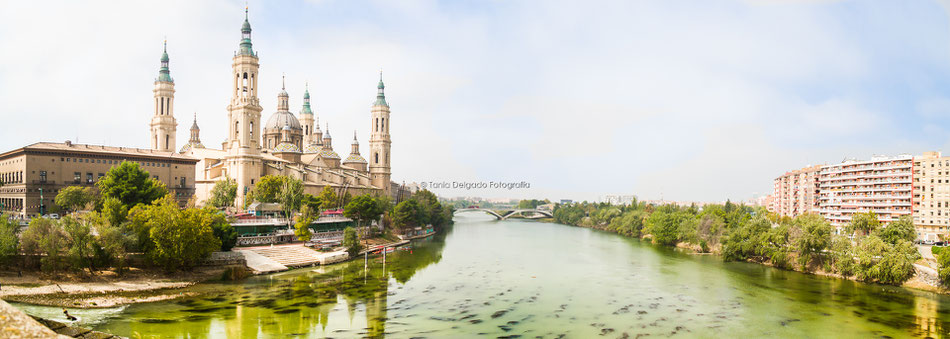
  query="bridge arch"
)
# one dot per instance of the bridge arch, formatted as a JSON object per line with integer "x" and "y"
{"x": 463, "y": 210}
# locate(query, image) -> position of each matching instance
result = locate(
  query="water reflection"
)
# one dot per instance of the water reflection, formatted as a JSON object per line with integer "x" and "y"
{"x": 294, "y": 303}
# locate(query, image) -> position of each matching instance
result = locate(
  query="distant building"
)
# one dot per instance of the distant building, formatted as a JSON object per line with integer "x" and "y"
{"x": 796, "y": 192}
{"x": 32, "y": 175}
{"x": 882, "y": 185}
{"x": 566, "y": 201}
{"x": 931, "y": 196}
{"x": 618, "y": 199}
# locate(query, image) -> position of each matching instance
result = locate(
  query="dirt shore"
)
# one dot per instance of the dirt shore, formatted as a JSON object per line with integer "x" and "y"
{"x": 102, "y": 289}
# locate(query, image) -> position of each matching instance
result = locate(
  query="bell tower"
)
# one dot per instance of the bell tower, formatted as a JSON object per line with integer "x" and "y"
{"x": 379, "y": 141}
{"x": 244, "y": 117}
{"x": 163, "y": 123}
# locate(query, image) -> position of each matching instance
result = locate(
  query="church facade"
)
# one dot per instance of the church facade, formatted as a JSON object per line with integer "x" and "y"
{"x": 285, "y": 144}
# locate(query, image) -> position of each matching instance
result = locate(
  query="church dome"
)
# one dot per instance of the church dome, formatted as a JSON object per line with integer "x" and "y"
{"x": 279, "y": 119}
{"x": 329, "y": 154}
{"x": 286, "y": 147}
{"x": 354, "y": 158}
{"x": 312, "y": 148}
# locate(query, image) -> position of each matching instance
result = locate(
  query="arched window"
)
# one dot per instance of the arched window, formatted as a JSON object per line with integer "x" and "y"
{"x": 237, "y": 125}
{"x": 251, "y": 131}
{"x": 377, "y": 124}
{"x": 162, "y": 110}
{"x": 376, "y": 156}
{"x": 166, "y": 141}
{"x": 244, "y": 85}
{"x": 383, "y": 125}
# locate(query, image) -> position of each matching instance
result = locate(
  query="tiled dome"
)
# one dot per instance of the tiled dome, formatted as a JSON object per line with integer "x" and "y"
{"x": 329, "y": 154}
{"x": 286, "y": 147}
{"x": 280, "y": 119}
{"x": 312, "y": 148}
{"x": 354, "y": 158}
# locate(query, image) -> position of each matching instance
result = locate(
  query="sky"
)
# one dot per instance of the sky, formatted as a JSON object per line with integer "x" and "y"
{"x": 679, "y": 100}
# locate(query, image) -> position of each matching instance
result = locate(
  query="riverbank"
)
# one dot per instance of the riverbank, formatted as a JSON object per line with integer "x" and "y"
{"x": 104, "y": 289}
{"x": 924, "y": 278}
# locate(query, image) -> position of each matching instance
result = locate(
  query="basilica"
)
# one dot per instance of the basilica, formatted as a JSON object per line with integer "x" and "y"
{"x": 286, "y": 144}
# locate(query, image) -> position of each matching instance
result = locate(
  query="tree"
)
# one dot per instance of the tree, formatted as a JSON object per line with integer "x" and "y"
{"x": 900, "y": 230}
{"x": 842, "y": 256}
{"x": 885, "y": 263}
{"x": 863, "y": 223}
{"x": 223, "y": 193}
{"x": 74, "y": 198}
{"x": 943, "y": 271}
{"x": 114, "y": 211}
{"x": 289, "y": 196}
{"x": 46, "y": 238}
{"x": 629, "y": 224}
{"x": 310, "y": 201}
{"x": 131, "y": 185}
{"x": 748, "y": 240}
{"x": 351, "y": 241}
{"x": 222, "y": 230}
{"x": 328, "y": 198}
{"x": 569, "y": 214}
{"x": 665, "y": 226}
{"x": 814, "y": 236}
{"x": 9, "y": 241}
{"x": 175, "y": 238}
{"x": 406, "y": 215}
{"x": 431, "y": 208}
{"x": 302, "y": 228}
{"x": 82, "y": 244}
{"x": 115, "y": 243}
{"x": 268, "y": 188}
{"x": 362, "y": 207}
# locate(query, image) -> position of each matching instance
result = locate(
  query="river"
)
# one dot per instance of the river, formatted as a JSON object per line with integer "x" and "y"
{"x": 523, "y": 278}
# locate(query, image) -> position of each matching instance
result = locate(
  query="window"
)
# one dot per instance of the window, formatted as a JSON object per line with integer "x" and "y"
{"x": 88, "y": 178}
{"x": 77, "y": 177}
{"x": 183, "y": 182}
{"x": 42, "y": 177}
{"x": 99, "y": 177}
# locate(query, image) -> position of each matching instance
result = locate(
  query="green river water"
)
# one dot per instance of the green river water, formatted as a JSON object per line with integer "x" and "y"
{"x": 531, "y": 279}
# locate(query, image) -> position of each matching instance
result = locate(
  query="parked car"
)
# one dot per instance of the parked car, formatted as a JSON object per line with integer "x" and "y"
{"x": 939, "y": 243}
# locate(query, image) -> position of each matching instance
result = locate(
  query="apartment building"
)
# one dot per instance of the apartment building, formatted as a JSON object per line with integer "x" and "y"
{"x": 932, "y": 196}
{"x": 31, "y": 176}
{"x": 796, "y": 192}
{"x": 882, "y": 185}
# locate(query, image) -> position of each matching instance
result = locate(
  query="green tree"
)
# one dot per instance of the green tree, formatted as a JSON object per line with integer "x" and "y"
{"x": 131, "y": 185}
{"x": 9, "y": 241}
{"x": 290, "y": 196}
{"x": 667, "y": 227}
{"x": 82, "y": 244}
{"x": 116, "y": 244}
{"x": 74, "y": 198}
{"x": 431, "y": 208}
{"x": 943, "y": 264}
{"x": 748, "y": 240}
{"x": 885, "y": 263}
{"x": 223, "y": 193}
{"x": 176, "y": 239}
{"x": 406, "y": 215}
{"x": 863, "y": 223}
{"x": 311, "y": 202}
{"x": 900, "y": 230}
{"x": 114, "y": 211}
{"x": 302, "y": 228}
{"x": 814, "y": 236}
{"x": 569, "y": 214}
{"x": 361, "y": 208}
{"x": 45, "y": 238}
{"x": 351, "y": 241}
{"x": 222, "y": 230}
{"x": 842, "y": 256}
{"x": 268, "y": 188}
{"x": 629, "y": 224}
{"x": 328, "y": 198}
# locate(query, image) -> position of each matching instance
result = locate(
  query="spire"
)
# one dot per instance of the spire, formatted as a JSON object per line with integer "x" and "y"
{"x": 163, "y": 72}
{"x": 246, "y": 36}
{"x": 306, "y": 100}
{"x": 283, "y": 99}
{"x": 194, "y": 125}
{"x": 354, "y": 138}
{"x": 380, "y": 97}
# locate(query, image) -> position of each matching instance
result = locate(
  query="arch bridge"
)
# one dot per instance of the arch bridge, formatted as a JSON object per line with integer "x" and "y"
{"x": 505, "y": 214}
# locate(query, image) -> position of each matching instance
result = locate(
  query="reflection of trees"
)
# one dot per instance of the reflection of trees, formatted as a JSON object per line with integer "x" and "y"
{"x": 290, "y": 303}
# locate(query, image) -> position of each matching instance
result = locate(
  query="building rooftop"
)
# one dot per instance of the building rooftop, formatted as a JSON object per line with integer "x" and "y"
{"x": 96, "y": 149}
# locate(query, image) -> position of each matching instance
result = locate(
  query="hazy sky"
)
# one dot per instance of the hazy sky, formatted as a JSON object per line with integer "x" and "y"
{"x": 688, "y": 100}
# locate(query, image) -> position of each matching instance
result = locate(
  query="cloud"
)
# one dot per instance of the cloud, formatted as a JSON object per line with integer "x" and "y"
{"x": 700, "y": 102}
